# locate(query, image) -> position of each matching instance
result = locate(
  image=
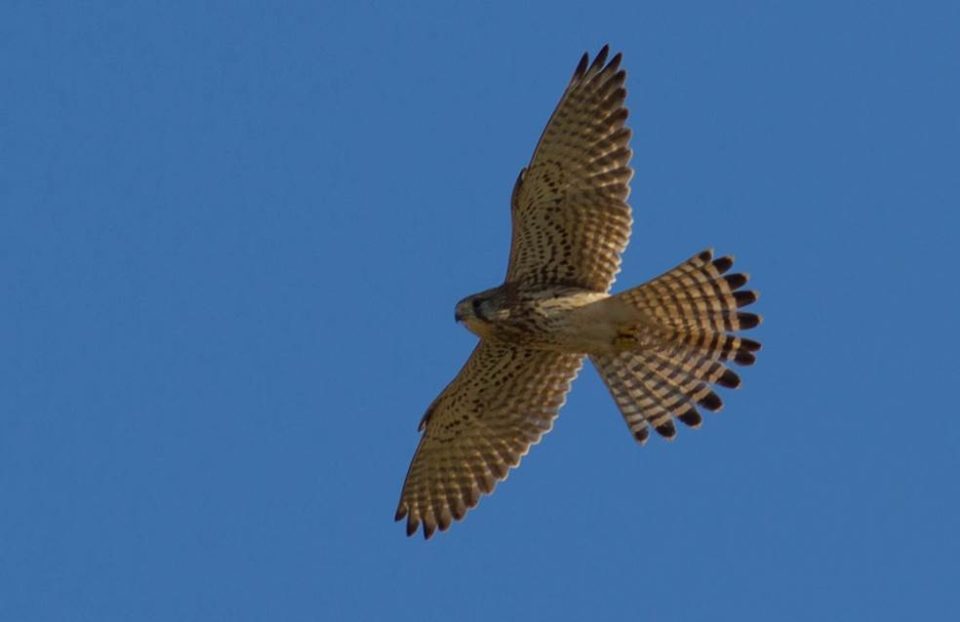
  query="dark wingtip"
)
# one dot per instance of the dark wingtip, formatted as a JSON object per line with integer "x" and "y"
{"x": 691, "y": 418}
{"x": 642, "y": 435}
{"x": 581, "y": 66}
{"x": 618, "y": 117}
{"x": 705, "y": 255}
{"x": 744, "y": 298}
{"x": 428, "y": 529}
{"x": 614, "y": 63}
{"x": 711, "y": 402}
{"x": 601, "y": 58}
{"x": 729, "y": 379}
{"x": 401, "y": 512}
{"x": 722, "y": 264}
{"x": 412, "y": 526}
{"x": 736, "y": 281}
{"x": 667, "y": 429}
{"x": 750, "y": 345}
{"x": 748, "y": 320}
{"x": 745, "y": 358}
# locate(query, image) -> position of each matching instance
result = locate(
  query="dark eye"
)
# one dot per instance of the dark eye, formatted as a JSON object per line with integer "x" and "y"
{"x": 476, "y": 307}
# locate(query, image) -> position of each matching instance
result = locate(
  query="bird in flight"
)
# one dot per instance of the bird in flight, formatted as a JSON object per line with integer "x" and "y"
{"x": 659, "y": 347}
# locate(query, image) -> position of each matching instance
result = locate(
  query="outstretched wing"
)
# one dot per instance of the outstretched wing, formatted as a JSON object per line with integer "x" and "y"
{"x": 502, "y": 401}
{"x": 571, "y": 220}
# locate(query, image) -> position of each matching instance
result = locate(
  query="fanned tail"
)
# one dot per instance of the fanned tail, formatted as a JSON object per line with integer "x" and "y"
{"x": 668, "y": 360}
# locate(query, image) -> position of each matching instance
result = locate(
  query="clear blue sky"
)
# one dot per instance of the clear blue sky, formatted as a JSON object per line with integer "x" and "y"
{"x": 232, "y": 236}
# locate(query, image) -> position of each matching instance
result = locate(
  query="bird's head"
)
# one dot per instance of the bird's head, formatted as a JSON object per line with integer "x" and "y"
{"x": 479, "y": 311}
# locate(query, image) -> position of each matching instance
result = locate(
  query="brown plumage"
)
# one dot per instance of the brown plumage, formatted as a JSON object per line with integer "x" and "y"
{"x": 571, "y": 220}
{"x": 659, "y": 347}
{"x": 693, "y": 308}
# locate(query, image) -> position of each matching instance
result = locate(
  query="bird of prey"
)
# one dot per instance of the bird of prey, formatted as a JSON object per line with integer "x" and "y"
{"x": 659, "y": 347}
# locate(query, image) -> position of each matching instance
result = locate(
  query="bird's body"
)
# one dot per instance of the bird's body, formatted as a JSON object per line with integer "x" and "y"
{"x": 658, "y": 347}
{"x": 555, "y": 319}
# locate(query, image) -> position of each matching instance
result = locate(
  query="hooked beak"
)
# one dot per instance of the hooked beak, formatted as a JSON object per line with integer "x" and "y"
{"x": 457, "y": 316}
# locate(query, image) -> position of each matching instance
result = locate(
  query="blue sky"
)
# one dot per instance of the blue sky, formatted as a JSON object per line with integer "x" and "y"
{"x": 232, "y": 235}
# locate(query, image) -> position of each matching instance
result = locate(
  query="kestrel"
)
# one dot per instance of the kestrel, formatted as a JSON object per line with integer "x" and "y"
{"x": 658, "y": 347}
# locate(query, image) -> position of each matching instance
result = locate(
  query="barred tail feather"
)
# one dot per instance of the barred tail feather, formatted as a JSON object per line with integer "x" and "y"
{"x": 683, "y": 340}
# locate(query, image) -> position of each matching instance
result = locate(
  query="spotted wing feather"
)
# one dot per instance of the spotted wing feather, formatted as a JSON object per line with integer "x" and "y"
{"x": 571, "y": 220}
{"x": 502, "y": 401}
